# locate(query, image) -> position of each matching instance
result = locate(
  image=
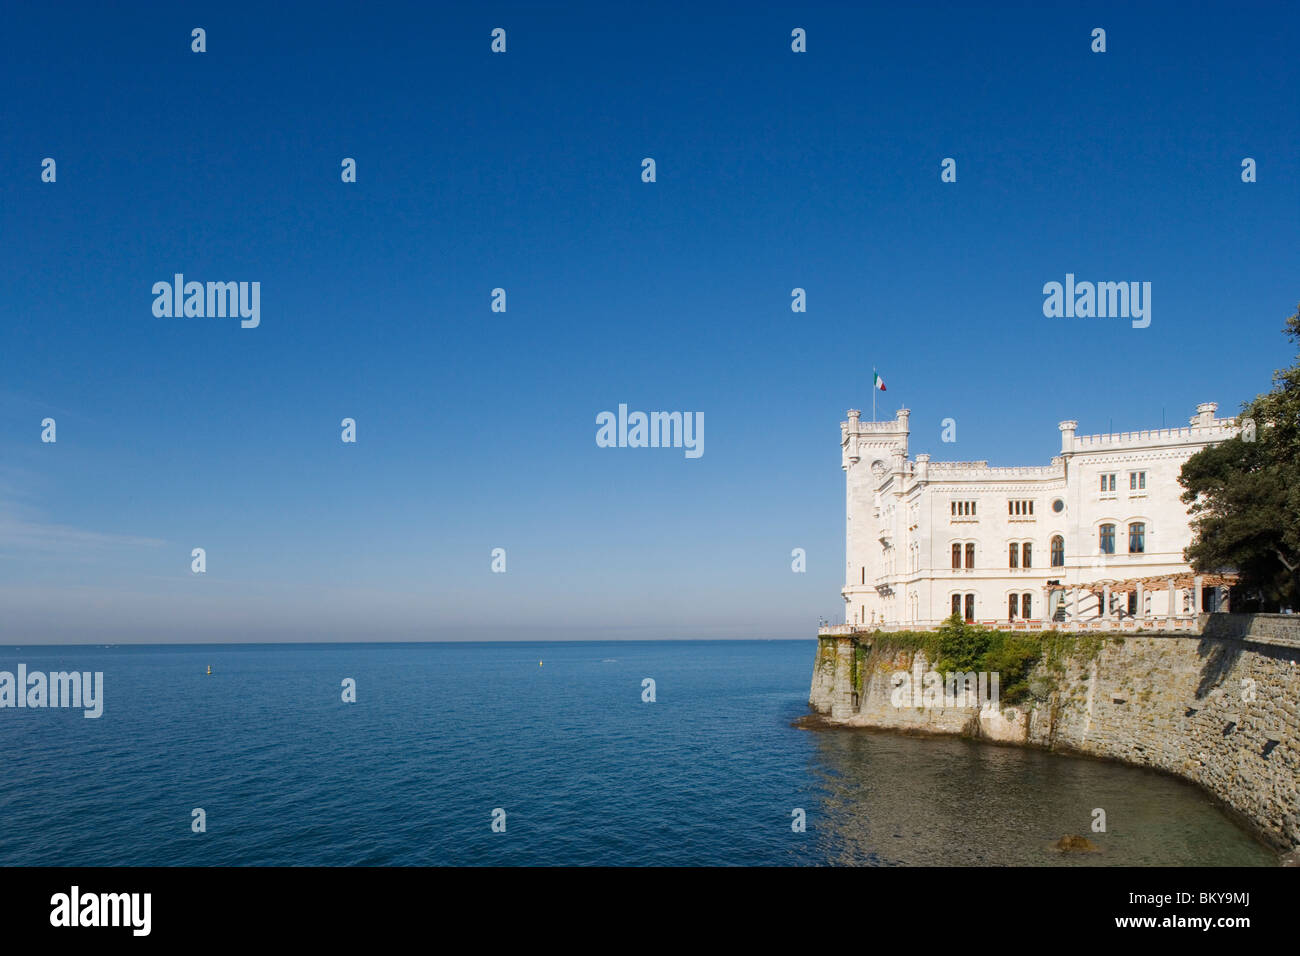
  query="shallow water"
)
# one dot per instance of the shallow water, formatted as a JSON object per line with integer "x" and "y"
{"x": 442, "y": 735}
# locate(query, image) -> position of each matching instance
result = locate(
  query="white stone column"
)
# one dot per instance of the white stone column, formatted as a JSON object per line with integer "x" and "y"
{"x": 1105, "y": 602}
{"x": 1173, "y": 608}
{"x": 1196, "y": 595}
{"x": 1142, "y": 607}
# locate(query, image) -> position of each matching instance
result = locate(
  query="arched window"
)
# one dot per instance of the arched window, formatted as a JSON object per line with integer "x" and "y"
{"x": 956, "y": 604}
{"x": 1026, "y": 555}
{"x": 1137, "y": 538}
{"x": 1026, "y": 603}
{"x": 970, "y": 558}
{"x": 1058, "y": 552}
{"x": 1013, "y": 556}
{"x": 956, "y": 558}
{"x": 1106, "y": 539}
{"x": 970, "y": 607}
{"x": 1013, "y": 606}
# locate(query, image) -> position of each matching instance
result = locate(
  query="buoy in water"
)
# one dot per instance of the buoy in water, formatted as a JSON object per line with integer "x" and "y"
{"x": 539, "y": 663}
{"x": 209, "y": 669}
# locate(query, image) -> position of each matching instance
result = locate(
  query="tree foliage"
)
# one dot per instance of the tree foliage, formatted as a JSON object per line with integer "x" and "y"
{"x": 966, "y": 646}
{"x": 1244, "y": 494}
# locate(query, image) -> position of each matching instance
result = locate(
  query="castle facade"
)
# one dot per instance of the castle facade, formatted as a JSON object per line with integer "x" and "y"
{"x": 1094, "y": 538}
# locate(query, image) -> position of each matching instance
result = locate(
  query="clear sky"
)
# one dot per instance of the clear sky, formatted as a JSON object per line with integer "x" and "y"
{"x": 476, "y": 430}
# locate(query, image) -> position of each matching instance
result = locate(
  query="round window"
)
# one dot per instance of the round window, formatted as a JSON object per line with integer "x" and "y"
{"x": 1058, "y": 506}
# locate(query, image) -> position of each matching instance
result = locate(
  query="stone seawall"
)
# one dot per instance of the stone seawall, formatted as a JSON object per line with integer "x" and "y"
{"x": 1218, "y": 708}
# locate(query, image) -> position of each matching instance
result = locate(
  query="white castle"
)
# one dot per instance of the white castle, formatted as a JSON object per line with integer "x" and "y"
{"x": 1094, "y": 539}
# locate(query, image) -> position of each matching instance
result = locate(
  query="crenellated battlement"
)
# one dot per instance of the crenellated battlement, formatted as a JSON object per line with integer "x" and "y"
{"x": 1220, "y": 428}
{"x": 1203, "y": 428}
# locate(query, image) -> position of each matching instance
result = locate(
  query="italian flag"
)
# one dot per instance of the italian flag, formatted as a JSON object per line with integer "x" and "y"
{"x": 879, "y": 382}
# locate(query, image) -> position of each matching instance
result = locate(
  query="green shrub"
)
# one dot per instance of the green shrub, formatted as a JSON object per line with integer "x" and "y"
{"x": 960, "y": 645}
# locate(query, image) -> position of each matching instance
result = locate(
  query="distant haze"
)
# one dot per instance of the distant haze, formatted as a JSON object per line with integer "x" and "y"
{"x": 476, "y": 429}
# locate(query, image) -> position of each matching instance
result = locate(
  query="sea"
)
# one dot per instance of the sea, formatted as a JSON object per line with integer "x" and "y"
{"x": 650, "y": 753}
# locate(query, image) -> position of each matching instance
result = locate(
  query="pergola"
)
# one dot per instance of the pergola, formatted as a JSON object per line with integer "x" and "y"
{"x": 1160, "y": 582}
{"x": 1172, "y": 584}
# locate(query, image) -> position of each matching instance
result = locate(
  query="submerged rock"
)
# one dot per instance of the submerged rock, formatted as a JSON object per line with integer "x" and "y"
{"x": 1076, "y": 844}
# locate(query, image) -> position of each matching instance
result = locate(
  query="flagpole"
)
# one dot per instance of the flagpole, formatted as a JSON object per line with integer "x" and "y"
{"x": 873, "y": 393}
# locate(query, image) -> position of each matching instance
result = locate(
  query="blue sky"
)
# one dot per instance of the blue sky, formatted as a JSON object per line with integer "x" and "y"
{"x": 476, "y": 429}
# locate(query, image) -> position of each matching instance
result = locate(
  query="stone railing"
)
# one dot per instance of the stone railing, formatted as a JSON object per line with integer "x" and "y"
{"x": 1149, "y": 625}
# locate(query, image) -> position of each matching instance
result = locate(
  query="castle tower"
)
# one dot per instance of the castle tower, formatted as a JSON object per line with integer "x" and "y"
{"x": 874, "y": 459}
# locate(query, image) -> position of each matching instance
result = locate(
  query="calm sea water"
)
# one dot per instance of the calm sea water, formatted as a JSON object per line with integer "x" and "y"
{"x": 442, "y": 734}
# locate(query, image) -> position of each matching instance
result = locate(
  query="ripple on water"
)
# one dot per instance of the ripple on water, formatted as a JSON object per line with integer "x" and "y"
{"x": 587, "y": 772}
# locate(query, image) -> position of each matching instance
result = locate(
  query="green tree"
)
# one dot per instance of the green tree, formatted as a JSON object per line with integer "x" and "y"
{"x": 1244, "y": 494}
{"x": 961, "y": 645}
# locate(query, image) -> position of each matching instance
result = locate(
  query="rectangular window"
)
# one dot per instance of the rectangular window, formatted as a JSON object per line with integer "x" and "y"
{"x": 1132, "y": 603}
{"x": 970, "y": 607}
{"x": 1137, "y": 481}
{"x": 1108, "y": 482}
{"x": 1137, "y": 538}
